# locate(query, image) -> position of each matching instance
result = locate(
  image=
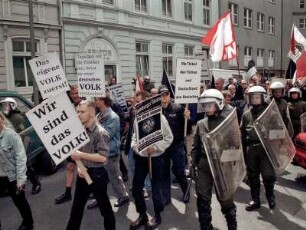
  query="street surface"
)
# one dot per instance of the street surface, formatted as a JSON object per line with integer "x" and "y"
{"x": 290, "y": 213}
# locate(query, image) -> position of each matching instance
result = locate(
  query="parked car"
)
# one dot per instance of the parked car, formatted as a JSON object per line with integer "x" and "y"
{"x": 35, "y": 149}
{"x": 300, "y": 146}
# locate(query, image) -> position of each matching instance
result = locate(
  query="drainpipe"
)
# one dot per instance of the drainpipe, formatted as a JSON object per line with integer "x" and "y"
{"x": 61, "y": 33}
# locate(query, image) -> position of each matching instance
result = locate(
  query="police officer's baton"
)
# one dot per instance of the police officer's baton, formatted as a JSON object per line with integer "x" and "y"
{"x": 84, "y": 170}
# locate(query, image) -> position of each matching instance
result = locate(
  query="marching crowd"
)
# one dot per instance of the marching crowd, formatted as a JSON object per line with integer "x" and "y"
{"x": 106, "y": 125}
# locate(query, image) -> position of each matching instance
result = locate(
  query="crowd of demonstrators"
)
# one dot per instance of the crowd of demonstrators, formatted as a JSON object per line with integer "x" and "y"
{"x": 105, "y": 124}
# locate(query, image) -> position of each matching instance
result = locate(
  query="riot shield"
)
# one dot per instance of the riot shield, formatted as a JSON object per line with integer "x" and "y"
{"x": 289, "y": 125}
{"x": 223, "y": 148}
{"x": 303, "y": 123}
{"x": 275, "y": 138}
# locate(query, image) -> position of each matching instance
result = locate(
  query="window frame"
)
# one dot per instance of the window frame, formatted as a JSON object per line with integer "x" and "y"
{"x": 232, "y": 6}
{"x": 169, "y": 57}
{"x": 25, "y": 54}
{"x": 141, "y": 71}
{"x": 111, "y": 4}
{"x": 206, "y": 9}
{"x": 189, "y": 47}
{"x": 302, "y": 4}
{"x": 140, "y": 10}
{"x": 271, "y": 25}
{"x": 260, "y": 22}
{"x": 248, "y": 18}
{"x": 167, "y": 8}
{"x": 302, "y": 23}
{"x": 191, "y": 3}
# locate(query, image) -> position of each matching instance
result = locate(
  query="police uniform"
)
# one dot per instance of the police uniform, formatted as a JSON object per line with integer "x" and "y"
{"x": 257, "y": 160}
{"x": 296, "y": 109}
{"x": 204, "y": 179}
{"x": 174, "y": 114}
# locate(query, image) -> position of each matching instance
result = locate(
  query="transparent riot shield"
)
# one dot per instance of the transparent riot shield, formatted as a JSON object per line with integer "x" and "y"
{"x": 303, "y": 123}
{"x": 224, "y": 152}
{"x": 289, "y": 125}
{"x": 275, "y": 138}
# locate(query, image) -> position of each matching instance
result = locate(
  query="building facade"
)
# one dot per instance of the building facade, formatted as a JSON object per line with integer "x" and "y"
{"x": 15, "y": 73}
{"x": 258, "y": 31}
{"x": 136, "y": 36}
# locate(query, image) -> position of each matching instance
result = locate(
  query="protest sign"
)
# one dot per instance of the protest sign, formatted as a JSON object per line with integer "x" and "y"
{"x": 148, "y": 122}
{"x": 90, "y": 71}
{"x": 117, "y": 94}
{"x": 188, "y": 78}
{"x": 49, "y": 75}
{"x": 58, "y": 126}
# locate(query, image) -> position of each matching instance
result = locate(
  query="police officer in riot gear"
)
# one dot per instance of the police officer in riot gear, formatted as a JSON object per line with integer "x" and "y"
{"x": 277, "y": 91}
{"x": 212, "y": 101}
{"x": 256, "y": 158}
{"x": 296, "y": 108}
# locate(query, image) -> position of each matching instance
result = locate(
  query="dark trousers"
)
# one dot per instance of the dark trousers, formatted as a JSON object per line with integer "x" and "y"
{"x": 258, "y": 163}
{"x": 140, "y": 174}
{"x": 19, "y": 200}
{"x": 99, "y": 189}
{"x": 123, "y": 168}
{"x": 176, "y": 152}
{"x": 204, "y": 184}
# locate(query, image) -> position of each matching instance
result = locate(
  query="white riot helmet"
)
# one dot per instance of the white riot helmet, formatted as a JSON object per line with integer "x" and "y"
{"x": 256, "y": 95}
{"x": 8, "y": 104}
{"x": 295, "y": 90}
{"x": 212, "y": 95}
{"x": 277, "y": 85}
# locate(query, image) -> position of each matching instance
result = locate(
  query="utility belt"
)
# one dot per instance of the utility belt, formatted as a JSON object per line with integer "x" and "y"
{"x": 253, "y": 143}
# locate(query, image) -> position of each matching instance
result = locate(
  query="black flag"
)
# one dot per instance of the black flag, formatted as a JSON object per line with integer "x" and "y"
{"x": 165, "y": 81}
{"x": 291, "y": 69}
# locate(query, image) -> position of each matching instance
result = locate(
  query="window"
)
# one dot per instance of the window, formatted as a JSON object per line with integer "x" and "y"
{"x": 302, "y": 23}
{"x": 188, "y": 51}
{"x": 141, "y": 6}
{"x": 271, "y": 25}
{"x": 302, "y": 4}
{"x": 260, "y": 22}
{"x": 235, "y": 13}
{"x": 271, "y": 58}
{"x": 260, "y": 55}
{"x": 167, "y": 53}
{"x": 188, "y": 9}
{"x": 166, "y": 8}
{"x": 23, "y": 75}
{"x": 248, "y": 15}
{"x": 248, "y": 53}
{"x": 206, "y": 12}
{"x": 142, "y": 58}
{"x": 109, "y": 2}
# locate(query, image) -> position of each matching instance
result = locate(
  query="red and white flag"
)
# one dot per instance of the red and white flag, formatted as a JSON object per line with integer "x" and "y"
{"x": 221, "y": 39}
{"x": 138, "y": 83}
{"x": 297, "y": 44}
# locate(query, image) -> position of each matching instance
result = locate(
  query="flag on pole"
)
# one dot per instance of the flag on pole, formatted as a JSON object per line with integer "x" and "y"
{"x": 138, "y": 83}
{"x": 297, "y": 44}
{"x": 221, "y": 39}
{"x": 165, "y": 81}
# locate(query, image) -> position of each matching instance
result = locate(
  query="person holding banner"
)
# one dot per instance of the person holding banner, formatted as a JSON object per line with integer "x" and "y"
{"x": 149, "y": 160}
{"x": 66, "y": 196}
{"x": 13, "y": 161}
{"x": 175, "y": 116}
{"x": 109, "y": 120}
{"x": 94, "y": 157}
{"x": 212, "y": 101}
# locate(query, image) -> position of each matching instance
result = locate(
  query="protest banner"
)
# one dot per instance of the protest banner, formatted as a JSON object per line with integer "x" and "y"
{"x": 188, "y": 78}
{"x": 148, "y": 122}
{"x": 49, "y": 75}
{"x": 116, "y": 93}
{"x": 90, "y": 71}
{"x": 58, "y": 127}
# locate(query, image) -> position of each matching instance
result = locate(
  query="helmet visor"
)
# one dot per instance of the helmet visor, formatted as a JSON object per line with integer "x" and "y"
{"x": 209, "y": 108}
{"x": 255, "y": 98}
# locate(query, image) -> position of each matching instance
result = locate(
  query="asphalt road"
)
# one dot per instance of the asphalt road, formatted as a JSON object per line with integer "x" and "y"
{"x": 290, "y": 213}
